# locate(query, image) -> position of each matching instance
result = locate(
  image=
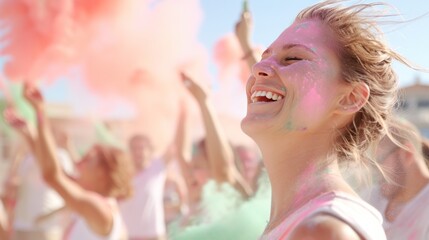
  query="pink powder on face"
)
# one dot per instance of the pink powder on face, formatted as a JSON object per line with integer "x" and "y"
{"x": 314, "y": 77}
{"x": 312, "y": 102}
{"x": 301, "y": 26}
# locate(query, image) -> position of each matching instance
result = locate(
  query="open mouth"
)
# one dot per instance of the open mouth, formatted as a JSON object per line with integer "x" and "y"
{"x": 265, "y": 96}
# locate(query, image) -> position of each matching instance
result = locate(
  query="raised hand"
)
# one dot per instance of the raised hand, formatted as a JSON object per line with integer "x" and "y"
{"x": 243, "y": 33}
{"x": 15, "y": 121}
{"x": 19, "y": 124}
{"x": 243, "y": 30}
{"x": 194, "y": 88}
{"x": 33, "y": 96}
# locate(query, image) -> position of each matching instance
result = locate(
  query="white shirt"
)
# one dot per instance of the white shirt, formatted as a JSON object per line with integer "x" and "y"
{"x": 143, "y": 213}
{"x": 81, "y": 231}
{"x": 36, "y": 198}
{"x": 412, "y": 223}
{"x": 359, "y": 215}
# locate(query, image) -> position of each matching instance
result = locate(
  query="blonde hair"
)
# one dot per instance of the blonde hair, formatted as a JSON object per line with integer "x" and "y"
{"x": 425, "y": 150}
{"x": 365, "y": 58}
{"x": 119, "y": 168}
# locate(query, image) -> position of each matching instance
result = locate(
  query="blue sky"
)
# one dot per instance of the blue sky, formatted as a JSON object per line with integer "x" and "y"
{"x": 272, "y": 16}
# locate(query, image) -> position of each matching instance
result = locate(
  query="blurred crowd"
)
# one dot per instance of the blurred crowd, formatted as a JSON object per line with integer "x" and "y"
{"x": 49, "y": 183}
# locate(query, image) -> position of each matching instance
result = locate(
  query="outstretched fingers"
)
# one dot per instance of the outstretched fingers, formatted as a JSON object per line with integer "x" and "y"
{"x": 33, "y": 95}
{"x": 12, "y": 118}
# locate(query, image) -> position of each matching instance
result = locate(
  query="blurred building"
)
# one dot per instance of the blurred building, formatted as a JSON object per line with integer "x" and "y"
{"x": 414, "y": 105}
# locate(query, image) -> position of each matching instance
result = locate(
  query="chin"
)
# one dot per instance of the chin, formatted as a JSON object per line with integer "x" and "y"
{"x": 254, "y": 126}
{"x": 248, "y": 126}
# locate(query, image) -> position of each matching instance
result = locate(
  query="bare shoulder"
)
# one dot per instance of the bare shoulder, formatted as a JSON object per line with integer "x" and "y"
{"x": 324, "y": 227}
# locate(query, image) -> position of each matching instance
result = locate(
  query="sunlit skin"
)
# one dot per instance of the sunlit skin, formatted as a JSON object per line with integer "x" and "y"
{"x": 297, "y": 133}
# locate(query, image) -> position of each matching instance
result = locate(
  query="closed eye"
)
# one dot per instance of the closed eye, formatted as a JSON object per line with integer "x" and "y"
{"x": 293, "y": 59}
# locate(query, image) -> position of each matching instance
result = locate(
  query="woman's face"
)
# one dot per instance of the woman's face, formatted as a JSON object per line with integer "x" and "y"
{"x": 92, "y": 170}
{"x": 140, "y": 150}
{"x": 296, "y": 85}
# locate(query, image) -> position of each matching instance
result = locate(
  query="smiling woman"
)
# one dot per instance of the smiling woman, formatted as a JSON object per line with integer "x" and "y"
{"x": 321, "y": 94}
{"x": 300, "y": 75}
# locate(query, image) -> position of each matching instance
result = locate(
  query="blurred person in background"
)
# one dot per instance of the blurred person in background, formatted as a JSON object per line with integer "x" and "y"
{"x": 25, "y": 186}
{"x": 249, "y": 164}
{"x": 104, "y": 175}
{"x": 175, "y": 194}
{"x": 222, "y": 203}
{"x": 211, "y": 160}
{"x": 403, "y": 196}
{"x": 143, "y": 213}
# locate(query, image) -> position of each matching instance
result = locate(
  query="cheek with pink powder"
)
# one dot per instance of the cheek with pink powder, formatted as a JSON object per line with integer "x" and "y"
{"x": 311, "y": 95}
{"x": 312, "y": 103}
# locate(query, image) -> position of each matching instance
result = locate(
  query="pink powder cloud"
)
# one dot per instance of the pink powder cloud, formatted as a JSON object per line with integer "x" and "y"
{"x": 130, "y": 49}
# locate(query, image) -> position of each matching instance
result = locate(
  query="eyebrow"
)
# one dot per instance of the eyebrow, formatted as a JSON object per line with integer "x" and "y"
{"x": 291, "y": 45}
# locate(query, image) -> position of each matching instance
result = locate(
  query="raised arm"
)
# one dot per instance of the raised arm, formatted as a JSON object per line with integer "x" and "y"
{"x": 219, "y": 151}
{"x": 20, "y": 126}
{"x": 70, "y": 147}
{"x": 184, "y": 145}
{"x": 243, "y": 32}
{"x": 12, "y": 180}
{"x": 97, "y": 212}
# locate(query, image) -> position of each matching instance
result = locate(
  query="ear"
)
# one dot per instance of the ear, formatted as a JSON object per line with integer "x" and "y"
{"x": 354, "y": 98}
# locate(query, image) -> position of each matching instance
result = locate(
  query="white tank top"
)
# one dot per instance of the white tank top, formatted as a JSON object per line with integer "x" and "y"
{"x": 80, "y": 229}
{"x": 359, "y": 215}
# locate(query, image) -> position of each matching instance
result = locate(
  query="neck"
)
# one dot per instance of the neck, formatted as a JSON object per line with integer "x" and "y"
{"x": 299, "y": 170}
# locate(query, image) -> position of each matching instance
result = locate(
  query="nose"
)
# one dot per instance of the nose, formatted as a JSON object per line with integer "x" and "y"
{"x": 264, "y": 68}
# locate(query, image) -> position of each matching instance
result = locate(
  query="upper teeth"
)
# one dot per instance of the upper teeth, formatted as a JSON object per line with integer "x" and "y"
{"x": 267, "y": 94}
